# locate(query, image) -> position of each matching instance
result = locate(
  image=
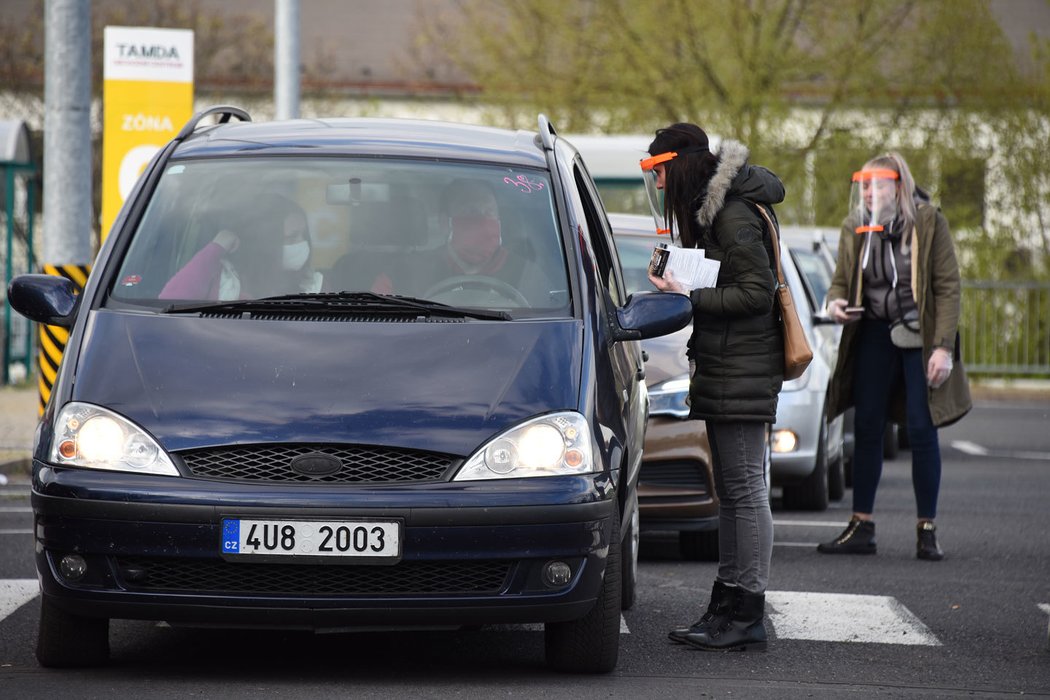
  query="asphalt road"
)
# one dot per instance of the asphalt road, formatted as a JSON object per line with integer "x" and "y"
{"x": 882, "y": 626}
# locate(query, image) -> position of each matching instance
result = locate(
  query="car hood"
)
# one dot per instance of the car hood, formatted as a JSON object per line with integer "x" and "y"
{"x": 441, "y": 386}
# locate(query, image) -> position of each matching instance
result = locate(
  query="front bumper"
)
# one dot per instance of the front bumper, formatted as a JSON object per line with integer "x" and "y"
{"x": 471, "y": 553}
{"x": 676, "y": 489}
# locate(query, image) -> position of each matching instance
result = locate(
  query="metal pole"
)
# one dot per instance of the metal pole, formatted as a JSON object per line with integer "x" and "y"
{"x": 67, "y": 132}
{"x": 67, "y": 163}
{"x": 9, "y": 201}
{"x": 30, "y": 262}
{"x": 286, "y": 59}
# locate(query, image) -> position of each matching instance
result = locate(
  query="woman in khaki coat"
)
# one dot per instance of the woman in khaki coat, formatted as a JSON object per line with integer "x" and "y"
{"x": 896, "y": 288}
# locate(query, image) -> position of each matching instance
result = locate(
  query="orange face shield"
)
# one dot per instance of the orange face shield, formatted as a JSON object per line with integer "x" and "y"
{"x": 873, "y": 199}
{"x": 653, "y": 193}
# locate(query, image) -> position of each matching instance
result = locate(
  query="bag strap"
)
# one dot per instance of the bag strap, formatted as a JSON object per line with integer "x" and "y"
{"x": 775, "y": 237}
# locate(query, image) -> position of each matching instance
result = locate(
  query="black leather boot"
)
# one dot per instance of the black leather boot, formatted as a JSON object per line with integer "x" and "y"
{"x": 723, "y": 598}
{"x": 926, "y": 547}
{"x": 743, "y": 630}
{"x": 857, "y": 538}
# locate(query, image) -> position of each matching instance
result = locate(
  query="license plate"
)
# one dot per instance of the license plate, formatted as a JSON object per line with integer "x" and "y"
{"x": 358, "y": 539}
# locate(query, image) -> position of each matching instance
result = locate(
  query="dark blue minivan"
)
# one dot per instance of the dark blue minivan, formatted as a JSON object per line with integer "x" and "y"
{"x": 347, "y": 372}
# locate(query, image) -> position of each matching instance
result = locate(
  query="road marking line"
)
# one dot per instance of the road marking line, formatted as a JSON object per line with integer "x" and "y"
{"x": 976, "y": 450}
{"x": 538, "y": 627}
{"x": 16, "y": 592}
{"x": 809, "y": 523}
{"x": 844, "y": 617}
{"x": 1045, "y": 607}
{"x": 18, "y": 509}
{"x": 16, "y": 532}
{"x": 970, "y": 448}
{"x": 794, "y": 544}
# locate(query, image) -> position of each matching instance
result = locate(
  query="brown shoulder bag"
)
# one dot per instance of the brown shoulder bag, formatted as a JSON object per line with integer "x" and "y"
{"x": 797, "y": 352}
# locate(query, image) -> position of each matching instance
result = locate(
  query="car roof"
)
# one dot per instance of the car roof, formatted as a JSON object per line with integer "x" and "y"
{"x": 632, "y": 225}
{"x": 370, "y": 137}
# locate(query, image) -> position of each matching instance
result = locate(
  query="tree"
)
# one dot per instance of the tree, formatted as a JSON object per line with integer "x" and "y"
{"x": 808, "y": 86}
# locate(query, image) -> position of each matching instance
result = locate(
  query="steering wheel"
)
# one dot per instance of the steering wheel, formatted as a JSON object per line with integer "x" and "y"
{"x": 482, "y": 282}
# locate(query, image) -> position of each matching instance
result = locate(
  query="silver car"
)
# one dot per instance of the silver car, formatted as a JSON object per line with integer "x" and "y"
{"x": 808, "y": 450}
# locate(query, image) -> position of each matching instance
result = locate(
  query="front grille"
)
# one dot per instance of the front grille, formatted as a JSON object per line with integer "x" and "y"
{"x": 681, "y": 474}
{"x": 360, "y": 463}
{"x": 303, "y": 580}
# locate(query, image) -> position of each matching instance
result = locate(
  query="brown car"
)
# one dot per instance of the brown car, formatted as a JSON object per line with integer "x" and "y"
{"x": 676, "y": 489}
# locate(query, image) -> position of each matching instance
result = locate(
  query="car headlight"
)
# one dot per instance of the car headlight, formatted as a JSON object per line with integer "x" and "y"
{"x": 557, "y": 444}
{"x": 670, "y": 398}
{"x": 96, "y": 438}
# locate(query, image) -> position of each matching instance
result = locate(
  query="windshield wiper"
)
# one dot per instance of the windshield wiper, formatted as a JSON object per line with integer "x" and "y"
{"x": 340, "y": 303}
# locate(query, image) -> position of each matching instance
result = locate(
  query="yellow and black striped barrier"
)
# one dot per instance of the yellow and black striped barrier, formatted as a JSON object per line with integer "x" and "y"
{"x": 53, "y": 338}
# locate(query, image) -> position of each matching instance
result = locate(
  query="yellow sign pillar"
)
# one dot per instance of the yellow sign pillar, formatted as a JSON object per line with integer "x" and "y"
{"x": 147, "y": 96}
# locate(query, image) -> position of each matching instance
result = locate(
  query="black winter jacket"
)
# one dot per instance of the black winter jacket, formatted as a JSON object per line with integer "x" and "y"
{"x": 737, "y": 341}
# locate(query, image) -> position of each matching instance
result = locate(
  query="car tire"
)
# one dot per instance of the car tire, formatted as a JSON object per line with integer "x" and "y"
{"x": 890, "y": 446}
{"x": 812, "y": 492}
{"x": 592, "y": 643}
{"x": 629, "y": 557}
{"x": 68, "y": 641}
{"x": 837, "y": 479}
{"x": 698, "y": 545}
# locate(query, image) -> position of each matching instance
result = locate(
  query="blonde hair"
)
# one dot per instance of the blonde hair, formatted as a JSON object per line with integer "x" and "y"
{"x": 905, "y": 190}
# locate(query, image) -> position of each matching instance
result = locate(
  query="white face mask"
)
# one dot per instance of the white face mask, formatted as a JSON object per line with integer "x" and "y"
{"x": 295, "y": 255}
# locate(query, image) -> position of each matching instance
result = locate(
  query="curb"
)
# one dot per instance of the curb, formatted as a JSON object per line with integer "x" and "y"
{"x": 1010, "y": 390}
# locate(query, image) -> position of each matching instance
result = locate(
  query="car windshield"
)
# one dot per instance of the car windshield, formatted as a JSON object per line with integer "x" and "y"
{"x": 235, "y": 229}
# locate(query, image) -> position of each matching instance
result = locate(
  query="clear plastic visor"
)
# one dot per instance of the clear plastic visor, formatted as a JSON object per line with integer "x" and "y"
{"x": 873, "y": 199}
{"x": 650, "y": 176}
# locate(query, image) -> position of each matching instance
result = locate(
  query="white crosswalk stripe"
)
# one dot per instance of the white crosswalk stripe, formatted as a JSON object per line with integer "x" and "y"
{"x": 538, "y": 627}
{"x": 16, "y": 592}
{"x": 843, "y": 617}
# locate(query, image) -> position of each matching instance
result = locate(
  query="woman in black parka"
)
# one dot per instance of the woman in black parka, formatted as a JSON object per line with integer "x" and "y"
{"x": 737, "y": 349}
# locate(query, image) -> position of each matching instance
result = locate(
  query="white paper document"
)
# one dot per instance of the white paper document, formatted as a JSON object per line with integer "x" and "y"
{"x": 691, "y": 267}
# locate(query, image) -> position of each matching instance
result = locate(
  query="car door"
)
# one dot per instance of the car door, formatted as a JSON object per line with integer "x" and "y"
{"x": 624, "y": 358}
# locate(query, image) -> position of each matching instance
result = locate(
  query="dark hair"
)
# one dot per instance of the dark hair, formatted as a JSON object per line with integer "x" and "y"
{"x": 687, "y": 176}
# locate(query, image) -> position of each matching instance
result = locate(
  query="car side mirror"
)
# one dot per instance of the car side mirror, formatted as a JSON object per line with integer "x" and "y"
{"x": 45, "y": 299}
{"x": 651, "y": 314}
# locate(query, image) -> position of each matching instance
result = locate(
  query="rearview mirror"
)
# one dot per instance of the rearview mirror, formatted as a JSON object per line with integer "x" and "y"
{"x": 652, "y": 314}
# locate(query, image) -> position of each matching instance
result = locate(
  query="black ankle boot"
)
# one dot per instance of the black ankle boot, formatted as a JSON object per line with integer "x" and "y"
{"x": 926, "y": 547}
{"x": 857, "y": 538}
{"x": 743, "y": 630}
{"x": 723, "y": 598}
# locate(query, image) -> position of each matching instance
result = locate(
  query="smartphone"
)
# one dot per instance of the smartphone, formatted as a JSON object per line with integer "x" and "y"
{"x": 853, "y": 309}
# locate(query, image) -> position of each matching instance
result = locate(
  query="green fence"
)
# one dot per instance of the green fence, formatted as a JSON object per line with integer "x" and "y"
{"x": 1005, "y": 328}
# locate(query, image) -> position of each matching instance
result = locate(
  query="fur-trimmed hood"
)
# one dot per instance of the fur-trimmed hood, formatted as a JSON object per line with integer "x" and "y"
{"x": 734, "y": 176}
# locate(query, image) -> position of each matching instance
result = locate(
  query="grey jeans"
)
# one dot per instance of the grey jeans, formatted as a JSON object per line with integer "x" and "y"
{"x": 745, "y": 525}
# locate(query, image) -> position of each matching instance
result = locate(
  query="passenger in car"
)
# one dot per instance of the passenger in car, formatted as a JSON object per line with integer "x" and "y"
{"x": 251, "y": 258}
